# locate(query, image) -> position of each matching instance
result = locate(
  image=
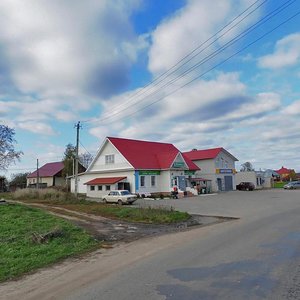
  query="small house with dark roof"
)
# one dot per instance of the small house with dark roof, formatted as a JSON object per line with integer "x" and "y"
{"x": 48, "y": 175}
{"x": 143, "y": 167}
{"x": 217, "y": 165}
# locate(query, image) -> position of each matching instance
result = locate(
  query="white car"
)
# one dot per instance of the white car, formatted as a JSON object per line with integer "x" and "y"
{"x": 120, "y": 197}
{"x": 292, "y": 185}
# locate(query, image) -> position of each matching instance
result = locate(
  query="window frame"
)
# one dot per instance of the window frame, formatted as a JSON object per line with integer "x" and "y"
{"x": 109, "y": 159}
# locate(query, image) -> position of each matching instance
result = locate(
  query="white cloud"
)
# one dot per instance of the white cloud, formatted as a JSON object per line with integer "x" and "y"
{"x": 189, "y": 27}
{"x": 37, "y": 127}
{"x": 55, "y": 47}
{"x": 293, "y": 109}
{"x": 286, "y": 53}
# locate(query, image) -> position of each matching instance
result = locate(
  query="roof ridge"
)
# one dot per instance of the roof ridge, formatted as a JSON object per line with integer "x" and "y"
{"x": 135, "y": 140}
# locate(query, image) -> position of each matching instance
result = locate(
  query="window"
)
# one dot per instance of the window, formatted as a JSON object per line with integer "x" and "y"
{"x": 142, "y": 180}
{"x": 153, "y": 181}
{"x": 109, "y": 159}
{"x": 92, "y": 187}
{"x": 107, "y": 187}
{"x": 99, "y": 187}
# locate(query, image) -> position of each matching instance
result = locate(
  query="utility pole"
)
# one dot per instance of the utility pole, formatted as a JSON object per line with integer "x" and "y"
{"x": 77, "y": 126}
{"x": 37, "y": 173}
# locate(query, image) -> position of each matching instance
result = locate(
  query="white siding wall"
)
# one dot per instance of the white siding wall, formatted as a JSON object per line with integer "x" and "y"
{"x": 208, "y": 169}
{"x": 109, "y": 149}
{"x": 85, "y": 189}
{"x": 249, "y": 177}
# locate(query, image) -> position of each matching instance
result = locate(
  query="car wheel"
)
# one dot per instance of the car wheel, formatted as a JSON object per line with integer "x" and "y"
{"x": 120, "y": 202}
{"x": 104, "y": 201}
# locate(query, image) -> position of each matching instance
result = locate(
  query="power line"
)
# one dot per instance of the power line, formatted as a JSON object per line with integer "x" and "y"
{"x": 212, "y": 55}
{"x": 214, "y": 67}
{"x": 189, "y": 56}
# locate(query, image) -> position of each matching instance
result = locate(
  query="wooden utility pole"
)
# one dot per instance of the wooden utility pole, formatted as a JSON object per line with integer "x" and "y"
{"x": 77, "y": 126}
{"x": 37, "y": 173}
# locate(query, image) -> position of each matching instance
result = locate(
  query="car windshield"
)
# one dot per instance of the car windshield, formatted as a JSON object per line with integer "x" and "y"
{"x": 125, "y": 193}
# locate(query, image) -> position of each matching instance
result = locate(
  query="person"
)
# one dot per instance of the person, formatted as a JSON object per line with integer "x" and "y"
{"x": 175, "y": 192}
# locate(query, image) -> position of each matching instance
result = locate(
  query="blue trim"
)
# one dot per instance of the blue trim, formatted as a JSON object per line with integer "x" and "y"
{"x": 136, "y": 174}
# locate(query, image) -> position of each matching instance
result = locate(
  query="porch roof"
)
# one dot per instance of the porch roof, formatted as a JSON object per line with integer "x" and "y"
{"x": 199, "y": 179}
{"x": 105, "y": 180}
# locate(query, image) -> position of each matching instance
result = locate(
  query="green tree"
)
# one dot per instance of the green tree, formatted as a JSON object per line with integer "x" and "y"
{"x": 3, "y": 184}
{"x": 19, "y": 180}
{"x": 8, "y": 154}
{"x": 68, "y": 160}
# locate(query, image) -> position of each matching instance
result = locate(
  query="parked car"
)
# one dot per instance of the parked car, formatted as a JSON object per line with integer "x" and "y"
{"x": 292, "y": 185}
{"x": 245, "y": 186}
{"x": 120, "y": 197}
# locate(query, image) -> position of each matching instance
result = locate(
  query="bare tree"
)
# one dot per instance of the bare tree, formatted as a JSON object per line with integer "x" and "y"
{"x": 246, "y": 167}
{"x": 8, "y": 154}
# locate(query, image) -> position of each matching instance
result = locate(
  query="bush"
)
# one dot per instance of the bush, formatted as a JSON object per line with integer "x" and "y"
{"x": 48, "y": 194}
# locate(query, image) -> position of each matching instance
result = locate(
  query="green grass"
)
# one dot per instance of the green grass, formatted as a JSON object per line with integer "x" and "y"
{"x": 149, "y": 215}
{"x": 19, "y": 254}
{"x": 52, "y": 197}
{"x": 279, "y": 184}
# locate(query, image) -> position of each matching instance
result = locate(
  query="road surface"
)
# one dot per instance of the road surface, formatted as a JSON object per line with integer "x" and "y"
{"x": 254, "y": 257}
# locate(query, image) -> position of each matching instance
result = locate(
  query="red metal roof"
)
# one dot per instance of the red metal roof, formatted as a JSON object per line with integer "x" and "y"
{"x": 48, "y": 170}
{"x": 145, "y": 155}
{"x": 105, "y": 180}
{"x": 203, "y": 154}
{"x": 283, "y": 171}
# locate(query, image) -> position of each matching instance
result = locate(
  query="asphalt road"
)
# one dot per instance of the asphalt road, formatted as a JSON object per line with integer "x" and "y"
{"x": 254, "y": 257}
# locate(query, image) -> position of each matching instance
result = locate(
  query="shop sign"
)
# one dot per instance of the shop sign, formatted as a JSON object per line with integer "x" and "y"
{"x": 177, "y": 164}
{"x": 224, "y": 171}
{"x": 189, "y": 172}
{"x": 149, "y": 172}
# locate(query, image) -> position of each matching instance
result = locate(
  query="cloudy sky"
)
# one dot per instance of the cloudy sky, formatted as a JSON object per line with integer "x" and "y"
{"x": 196, "y": 73}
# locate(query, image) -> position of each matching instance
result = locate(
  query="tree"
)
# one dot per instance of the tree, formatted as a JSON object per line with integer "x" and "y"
{"x": 8, "y": 154}
{"x": 3, "y": 184}
{"x": 19, "y": 180}
{"x": 85, "y": 159}
{"x": 69, "y": 160}
{"x": 246, "y": 167}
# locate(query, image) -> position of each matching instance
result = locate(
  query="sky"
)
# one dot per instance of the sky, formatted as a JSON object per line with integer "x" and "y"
{"x": 195, "y": 73}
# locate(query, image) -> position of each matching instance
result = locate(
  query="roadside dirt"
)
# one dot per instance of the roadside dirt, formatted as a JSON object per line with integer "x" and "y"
{"x": 134, "y": 242}
{"x": 111, "y": 231}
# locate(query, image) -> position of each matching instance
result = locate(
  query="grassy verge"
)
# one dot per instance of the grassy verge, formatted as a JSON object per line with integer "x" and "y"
{"x": 20, "y": 253}
{"x": 160, "y": 215}
{"x": 149, "y": 215}
{"x": 279, "y": 184}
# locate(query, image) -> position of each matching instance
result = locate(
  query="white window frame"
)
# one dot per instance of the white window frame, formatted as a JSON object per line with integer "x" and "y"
{"x": 109, "y": 159}
{"x": 153, "y": 184}
{"x": 142, "y": 181}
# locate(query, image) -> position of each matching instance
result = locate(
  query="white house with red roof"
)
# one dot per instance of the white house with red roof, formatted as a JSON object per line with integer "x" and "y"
{"x": 142, "y": 167}
{"x": 217, "y": 165}
{"x": 48, "y": 175}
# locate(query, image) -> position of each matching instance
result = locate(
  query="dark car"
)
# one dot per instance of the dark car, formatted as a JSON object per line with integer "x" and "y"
{"x": 245, "y": 186}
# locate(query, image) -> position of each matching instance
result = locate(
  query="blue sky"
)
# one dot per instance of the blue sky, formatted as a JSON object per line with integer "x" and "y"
{"x": 95, "y": 61}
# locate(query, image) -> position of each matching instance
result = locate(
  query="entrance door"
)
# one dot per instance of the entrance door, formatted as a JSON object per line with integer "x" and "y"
{"x": 181, "y": 183}
{"x": 219, "y": 182}
{"x": 228, "y": 183}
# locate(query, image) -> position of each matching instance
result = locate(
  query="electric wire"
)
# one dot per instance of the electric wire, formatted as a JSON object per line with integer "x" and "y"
{"x": 189, "y": 56}
{"x": 210, "y": 56}
{"x": 214, "y": 67}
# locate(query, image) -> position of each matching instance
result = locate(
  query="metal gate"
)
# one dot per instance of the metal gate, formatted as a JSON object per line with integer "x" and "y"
{"x": 228, "y": 183}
